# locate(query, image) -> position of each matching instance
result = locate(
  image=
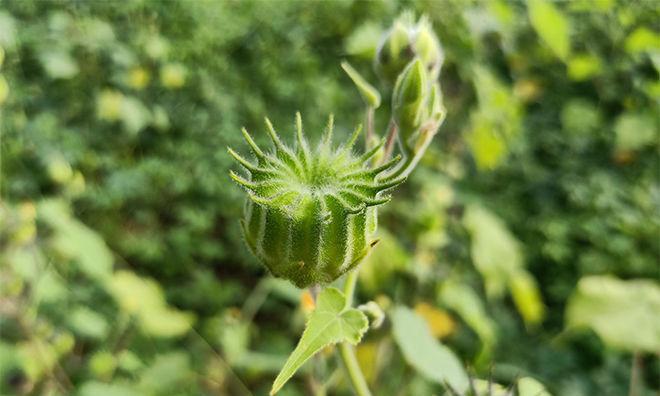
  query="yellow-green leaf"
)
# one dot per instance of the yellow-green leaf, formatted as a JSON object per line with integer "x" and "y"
{"x": 642, "y": 39}
{"x": 488, "y": 147}
{"x": 433, "y": 360}
{"x": 74, "y": 239}
{"x": 330, "y": 323}
{"x": 526, "y": 296}
{"x": 551, "y": 25}
{"x": 583, "y": 67}
{"x": 624, "y": 314}
{"x": 495, "y": 251}
{"x": 144, "y": 298}
{"x": 635, "y": 131}
{"x": 462, "y": 299}
{"x": 528, "y": 386}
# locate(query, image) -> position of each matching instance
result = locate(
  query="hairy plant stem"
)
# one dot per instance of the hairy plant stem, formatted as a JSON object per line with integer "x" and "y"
{"x": 346, "y": 351}
{"x": 368, "y": 137}
{"x": 392, "y": 130}
{"x": 412, "y": 158}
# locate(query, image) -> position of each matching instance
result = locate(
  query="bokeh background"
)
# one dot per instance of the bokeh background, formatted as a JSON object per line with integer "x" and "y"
{"x": 528, "y": 238}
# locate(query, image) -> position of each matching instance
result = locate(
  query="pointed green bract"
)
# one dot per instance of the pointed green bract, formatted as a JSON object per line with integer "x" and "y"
{"x": 311, "y": 214}
{"x": 369, "y": 94}
{"x": 330, "y": 323}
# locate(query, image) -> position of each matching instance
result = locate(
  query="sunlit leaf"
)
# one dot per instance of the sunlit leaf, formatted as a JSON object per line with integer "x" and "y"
{"x": 636, "y": 130}
{"x": 49, "y": 287}
{"x": 642, "y": 39}
{"x": 89, "y": 323}
{"x": 144, "y": 298}
{"x": 166, "y": 373}
{"x": 583, "y": 67}
{"x": 129, "y": 361}
{"x": 72, "y": 238}
{"x": 94, "y": 388}
{"x": 35, "y": 368}
{"x": 623, "y": 313}
{"x": 58, "y": 63}
{"x": 487, "y": 146}
{"x": 580, "y": 117}
{"x": 496, "y": 122}
{"x": 330, "y": 323}
{"x": 490, "y": 388}
{"x": 173, "y": 75}
{"x": 103, "y": 364}
{"x": 591, "y": 5}
{"x": 551, "y": 25}
{"x": 498, "y": 257}
{"x": 234, "y": 336}
{"x": 109, "y": 104}
{"x": 528, "y": 386}
{"x": 462, "y": 299}
{"x": 433, "y": 360}
{"x": 4, "y": 89}
{"x": 495, "y": 251}
{"x": 7, "y": 30}
{"x": 527, "y": 297}
{"x": 134, "y": 114}
{"x": 363, "y": 41}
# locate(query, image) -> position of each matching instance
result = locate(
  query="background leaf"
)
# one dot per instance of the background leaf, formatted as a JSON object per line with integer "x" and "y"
{"x": 623, "y": 313}
{"x": 551, "y": 25}
{"x": 528, "y": 386}
{"x": 72, "y": 238}
{"x": 143, "y": 298}
{"x": 430, "y": 358}
{"x": 494, "y": 250}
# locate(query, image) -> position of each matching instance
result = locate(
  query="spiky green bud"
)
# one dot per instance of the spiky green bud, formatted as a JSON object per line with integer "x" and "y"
{"x": 405, "y": 41}
{"x": 311, "y": 213}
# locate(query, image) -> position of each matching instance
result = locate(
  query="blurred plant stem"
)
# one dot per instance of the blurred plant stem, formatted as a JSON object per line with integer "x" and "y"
{"x": 368, "y": 137}
{"x": 346, "y": 351}
{"x": 634, "y": 374}
{"x": 389, "y": 143}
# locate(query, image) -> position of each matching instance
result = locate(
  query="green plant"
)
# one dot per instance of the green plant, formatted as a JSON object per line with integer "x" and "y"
{"x": 311, "y": 214}
{"x": 533, "y": 214}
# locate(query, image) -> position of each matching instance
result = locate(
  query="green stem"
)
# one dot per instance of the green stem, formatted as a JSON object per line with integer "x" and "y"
{"x": 350, "y": 361}
{"x": 346, "y": 351}
{"x": 368, "y": 136}
{"x": 413, "y": 157}
{"x": 349, "y": 286}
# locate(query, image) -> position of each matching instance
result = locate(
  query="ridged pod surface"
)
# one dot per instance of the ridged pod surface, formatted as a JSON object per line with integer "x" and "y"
{"x": 310, "y": 213}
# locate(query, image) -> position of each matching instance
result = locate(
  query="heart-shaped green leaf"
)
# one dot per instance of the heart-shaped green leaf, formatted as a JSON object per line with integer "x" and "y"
{"x": 330, "y": 323}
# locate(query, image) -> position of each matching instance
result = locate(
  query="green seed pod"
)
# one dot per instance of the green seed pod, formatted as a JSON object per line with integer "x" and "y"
{"x": 311, "y": 213}
{"x": 405, "y": 41}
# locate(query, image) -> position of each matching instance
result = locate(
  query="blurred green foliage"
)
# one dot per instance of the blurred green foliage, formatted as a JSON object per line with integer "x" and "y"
{"x": 122, "y": 271}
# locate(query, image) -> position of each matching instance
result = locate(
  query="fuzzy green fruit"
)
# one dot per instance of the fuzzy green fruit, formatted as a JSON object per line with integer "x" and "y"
{"x": 311, "y": 213}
